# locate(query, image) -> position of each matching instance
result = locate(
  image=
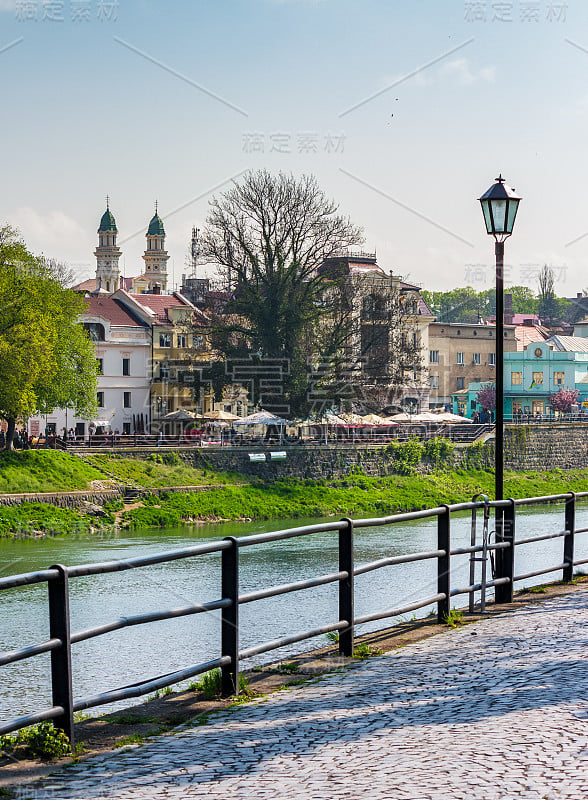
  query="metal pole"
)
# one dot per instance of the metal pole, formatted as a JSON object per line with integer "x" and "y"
{"x": 61, "y": 673}
{"x": 443, "y": 564}
{"x": 346, "y": 605}
{"x": 568, "y": 556}
{"x": 505, "y": 557}
{"x": 230, "y": 618}
{"x": 499, "y": 412}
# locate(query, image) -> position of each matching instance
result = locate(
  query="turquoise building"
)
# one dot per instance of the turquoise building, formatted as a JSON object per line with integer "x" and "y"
{"x": 532, "y": 375}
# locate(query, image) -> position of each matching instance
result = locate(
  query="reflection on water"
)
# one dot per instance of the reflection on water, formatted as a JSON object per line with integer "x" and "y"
{"x": 136, "y": 653}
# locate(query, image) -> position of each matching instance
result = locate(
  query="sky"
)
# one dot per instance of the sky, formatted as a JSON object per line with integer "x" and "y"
{"x": 404, "y": 110}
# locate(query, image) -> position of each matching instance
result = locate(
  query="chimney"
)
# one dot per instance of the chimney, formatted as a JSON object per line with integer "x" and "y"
{"x": 508, "y": 315}
{"x": 156, "y": 289}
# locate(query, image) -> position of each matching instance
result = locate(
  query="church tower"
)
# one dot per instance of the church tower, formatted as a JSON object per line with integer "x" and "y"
{"x": 107, "y": 254}
{"x": 155, "y": 256}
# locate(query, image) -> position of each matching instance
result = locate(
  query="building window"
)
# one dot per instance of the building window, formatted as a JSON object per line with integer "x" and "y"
{"x": 516, "y": 378}
{"x": 126, "y": 366}
{"x": 434, "y": 381}
{"x": 477, "y": 359}
{"x": 126, "y": 399}
{"x": 95, "y": 331}
{"x": 181, "y": 340}
{"x": 460, "y": 359}
{"x": 433, "y": 356}
{"x": 460, "y": 383}
{"x": 492, "y": 359}
{"x": 100, "y": 366}
{"x": 126, "y": 428}
{"x": 537, "y": 378}
{"x": 558, "y": 378}
{"x": 165, "y": 339}
{"x": 100, "y": 399}
{"x": 198, "y": 342}
{"x": 163, "y": 372}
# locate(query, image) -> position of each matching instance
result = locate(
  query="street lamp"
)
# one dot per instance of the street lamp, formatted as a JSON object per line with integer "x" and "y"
{"x": 499, "y": 206}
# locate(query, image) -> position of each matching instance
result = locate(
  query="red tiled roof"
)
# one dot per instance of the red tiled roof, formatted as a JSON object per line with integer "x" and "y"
{"x": 113, "y": 310}
{"x": 90, "y": 285}
{"x": 525, "y": 334}
{"x": 159, "y": 303}
{"x": 86, "y": 286}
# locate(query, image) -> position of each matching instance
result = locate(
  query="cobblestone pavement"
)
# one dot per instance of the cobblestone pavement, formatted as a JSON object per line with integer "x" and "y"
{"x": 494, "y": 710}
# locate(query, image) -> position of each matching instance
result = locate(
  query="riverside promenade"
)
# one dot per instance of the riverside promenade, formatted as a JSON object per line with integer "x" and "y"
{"x": 489, "y": 711}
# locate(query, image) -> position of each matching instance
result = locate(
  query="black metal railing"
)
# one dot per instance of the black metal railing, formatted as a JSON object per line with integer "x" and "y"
{"x": 61, "y": 638}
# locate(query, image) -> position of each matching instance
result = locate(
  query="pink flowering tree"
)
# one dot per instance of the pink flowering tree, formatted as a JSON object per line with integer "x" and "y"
{"x": 564, "y": 399}
{"x": 487, "y": 397}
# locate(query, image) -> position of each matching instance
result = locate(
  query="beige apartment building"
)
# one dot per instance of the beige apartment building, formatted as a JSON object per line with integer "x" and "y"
{"x": 460, "y": 354}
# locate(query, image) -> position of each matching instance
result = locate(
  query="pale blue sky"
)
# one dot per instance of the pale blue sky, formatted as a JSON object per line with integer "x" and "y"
{"x": 113, "y": 106}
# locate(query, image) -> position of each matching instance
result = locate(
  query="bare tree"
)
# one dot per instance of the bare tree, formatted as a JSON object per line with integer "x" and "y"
{"x": 370, "y": 343}
{"x": 269, "y": 235}
{"x": 547, "y": 305}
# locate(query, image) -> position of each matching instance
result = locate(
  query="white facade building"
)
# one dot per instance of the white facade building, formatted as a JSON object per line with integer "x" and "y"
{"x": 123, "y": 349}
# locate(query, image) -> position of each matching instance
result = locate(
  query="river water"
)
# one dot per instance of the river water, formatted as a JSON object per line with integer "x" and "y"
{"x": 137, "y": 653}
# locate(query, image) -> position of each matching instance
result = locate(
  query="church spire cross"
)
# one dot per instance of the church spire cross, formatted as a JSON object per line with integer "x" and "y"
{"x": 107, "y": 203}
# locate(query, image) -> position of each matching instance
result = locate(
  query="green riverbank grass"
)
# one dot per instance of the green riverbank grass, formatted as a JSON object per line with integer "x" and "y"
{"x": 44, "y": 471}
{"x": 355, "y": 496}
{"x": 159, "y": 469}
{"x": 43, "y": 519}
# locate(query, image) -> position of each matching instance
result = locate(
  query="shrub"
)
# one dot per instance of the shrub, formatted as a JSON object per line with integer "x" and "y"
{"x": 40, "y": 741}
{"x": 438, "y": 450}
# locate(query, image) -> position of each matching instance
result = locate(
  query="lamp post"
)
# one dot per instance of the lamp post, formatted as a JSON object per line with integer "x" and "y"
{"x": 499, "y": 206}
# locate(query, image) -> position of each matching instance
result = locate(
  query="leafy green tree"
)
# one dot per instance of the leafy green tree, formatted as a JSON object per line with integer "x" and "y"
{"x": 523, "y": 299}
{"x": 46, "y": 360}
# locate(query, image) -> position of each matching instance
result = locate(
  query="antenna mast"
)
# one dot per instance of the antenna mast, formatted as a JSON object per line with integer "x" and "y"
{"x": 194, "y": 250}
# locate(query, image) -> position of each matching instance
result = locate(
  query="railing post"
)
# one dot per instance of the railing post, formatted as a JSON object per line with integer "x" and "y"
{"x": 443, "y": 564}
{"x": 230, "y": 618}
{"x": 505, "y": 532}
{"x": 568, "y": 554}
{"x": 61, "y": 673}
{"x": 346, "y": 600}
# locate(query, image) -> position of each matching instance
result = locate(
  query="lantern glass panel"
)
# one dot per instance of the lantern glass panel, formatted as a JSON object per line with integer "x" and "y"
{"x": 512, "y": 212}
{"x": 487, "y": 217}
{"x": 499, "y": 215}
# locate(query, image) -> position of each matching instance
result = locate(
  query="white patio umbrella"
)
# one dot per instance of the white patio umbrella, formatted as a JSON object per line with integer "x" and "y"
{"x": 223, "y": 416}
{"x": 447, "y": 416}
{"x": 181, "y": 415}
{"x": 261, "y": 418}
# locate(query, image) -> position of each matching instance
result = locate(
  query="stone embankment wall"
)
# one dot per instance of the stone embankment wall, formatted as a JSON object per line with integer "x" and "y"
{"x": 540, "y": 447}
{"x": 63, "y": 499}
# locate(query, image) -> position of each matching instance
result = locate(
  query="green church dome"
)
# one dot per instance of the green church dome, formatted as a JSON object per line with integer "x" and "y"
{"x": 156, "y": 226}
{"x": 107, "y": 223}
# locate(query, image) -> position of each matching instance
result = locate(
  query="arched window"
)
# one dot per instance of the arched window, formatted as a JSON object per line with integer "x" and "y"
{"x": 95, "y": 331}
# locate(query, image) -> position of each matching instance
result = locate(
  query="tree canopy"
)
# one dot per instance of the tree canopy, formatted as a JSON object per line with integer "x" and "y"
{"x": 564, "y": 399}
{"x": 269, "y": 235}
{"x": 46, "y": 360}
{"x": 467, "y": 305}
